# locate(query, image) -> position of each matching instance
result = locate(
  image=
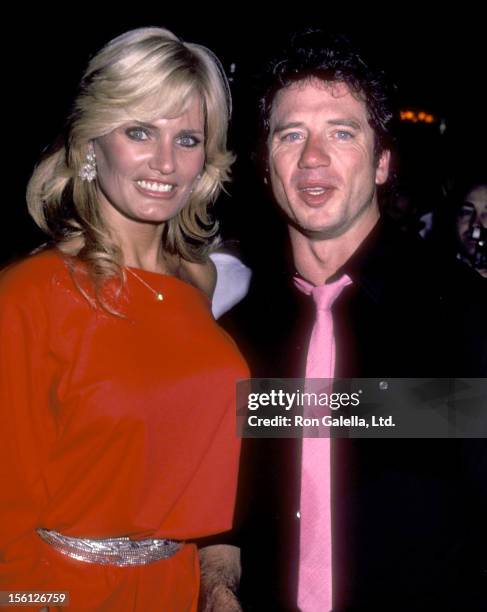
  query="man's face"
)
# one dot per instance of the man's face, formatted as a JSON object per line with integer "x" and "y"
{"x": 321, "y": 159}
{"x": 472, "y": 212}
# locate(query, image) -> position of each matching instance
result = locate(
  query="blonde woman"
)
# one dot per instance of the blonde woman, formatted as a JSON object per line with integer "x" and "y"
{"x": 118, "y": 446}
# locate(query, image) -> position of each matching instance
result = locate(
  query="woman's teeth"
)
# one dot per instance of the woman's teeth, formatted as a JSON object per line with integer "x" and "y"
{"x": 160, "y": 187}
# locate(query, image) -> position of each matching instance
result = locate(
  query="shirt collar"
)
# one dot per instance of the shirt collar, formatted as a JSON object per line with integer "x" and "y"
{"x": 369, "y": 267}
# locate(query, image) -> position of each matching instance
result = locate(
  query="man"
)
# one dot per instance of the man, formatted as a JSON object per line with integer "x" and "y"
{"x": 403, "y": 519}
{"x": 471, "y": 227}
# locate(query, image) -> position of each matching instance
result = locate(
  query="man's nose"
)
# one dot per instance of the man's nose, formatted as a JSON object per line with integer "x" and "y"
{"x": 314, "y": 154}
{"x": 480, "y": 218}
{"x": 473, "y": 220}
{"x": 162, "y": 158}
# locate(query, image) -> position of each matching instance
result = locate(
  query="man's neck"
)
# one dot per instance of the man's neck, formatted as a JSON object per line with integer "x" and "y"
{"x": 317, "y": 260}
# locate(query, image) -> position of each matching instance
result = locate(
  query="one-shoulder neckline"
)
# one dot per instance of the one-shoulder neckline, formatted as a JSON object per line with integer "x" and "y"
{"x": 165, "y": 276}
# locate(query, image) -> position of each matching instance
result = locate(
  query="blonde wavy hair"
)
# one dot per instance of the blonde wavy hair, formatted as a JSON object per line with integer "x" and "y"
{"x": 142, "y": 75}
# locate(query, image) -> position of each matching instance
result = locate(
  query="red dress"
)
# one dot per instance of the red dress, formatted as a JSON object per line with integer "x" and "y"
{"x": 112, "y": 426}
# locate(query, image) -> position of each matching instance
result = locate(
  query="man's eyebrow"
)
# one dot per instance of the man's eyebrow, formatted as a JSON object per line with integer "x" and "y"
{"x": 356, "y": 125}
{"x": 279, "y": 127}
{"x": 352, "y": 123}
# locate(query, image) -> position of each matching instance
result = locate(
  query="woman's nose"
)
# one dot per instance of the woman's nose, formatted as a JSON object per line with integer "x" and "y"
{"x": 162, "y": 158}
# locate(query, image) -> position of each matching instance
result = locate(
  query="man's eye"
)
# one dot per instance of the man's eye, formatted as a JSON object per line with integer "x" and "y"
{"x": 343, "y": 135}
{"x": 291, "y": 137}
{"x": 137, "y": 133}
{"x": 188, "y": 140}
{"x": 466, "y": 212}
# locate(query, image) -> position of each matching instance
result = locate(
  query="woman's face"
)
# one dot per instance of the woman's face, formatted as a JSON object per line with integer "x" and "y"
{"x": 147, "y": 171}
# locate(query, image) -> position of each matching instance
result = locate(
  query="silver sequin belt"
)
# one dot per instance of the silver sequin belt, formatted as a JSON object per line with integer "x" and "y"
{"x": 112, "y": 551}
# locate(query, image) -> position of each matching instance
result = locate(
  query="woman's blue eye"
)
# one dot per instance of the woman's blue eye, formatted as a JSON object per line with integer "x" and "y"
{"x": 137, "y": 133}
{"x": 188, "y": 141}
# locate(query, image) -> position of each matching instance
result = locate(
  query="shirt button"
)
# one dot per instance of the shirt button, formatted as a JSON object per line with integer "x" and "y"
{"x": 298, "y": 514}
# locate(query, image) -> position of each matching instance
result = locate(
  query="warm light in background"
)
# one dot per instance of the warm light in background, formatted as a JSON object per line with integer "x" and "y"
{"x": 417, "y": 116}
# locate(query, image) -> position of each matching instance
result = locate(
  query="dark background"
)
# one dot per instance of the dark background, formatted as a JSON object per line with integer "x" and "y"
{"x": 437, "y": 69}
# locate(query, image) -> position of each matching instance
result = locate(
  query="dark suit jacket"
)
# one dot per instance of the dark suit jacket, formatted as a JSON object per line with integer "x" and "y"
{"x": 408, "y": 515}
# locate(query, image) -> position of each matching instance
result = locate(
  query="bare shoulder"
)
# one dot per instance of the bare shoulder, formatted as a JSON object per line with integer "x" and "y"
{"x": 201, "y": 275}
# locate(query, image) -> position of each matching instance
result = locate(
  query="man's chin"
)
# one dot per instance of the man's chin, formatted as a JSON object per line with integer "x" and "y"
{"x": 320, "y": 231}
{"x": 468, "y": 247}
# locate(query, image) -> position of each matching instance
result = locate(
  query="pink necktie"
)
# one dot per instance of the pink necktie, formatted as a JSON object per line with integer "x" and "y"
{"x": 315, "y": 546}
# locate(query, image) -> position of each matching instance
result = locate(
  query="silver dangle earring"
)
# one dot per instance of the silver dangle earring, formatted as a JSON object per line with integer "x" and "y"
{"x": 88, "y": 169}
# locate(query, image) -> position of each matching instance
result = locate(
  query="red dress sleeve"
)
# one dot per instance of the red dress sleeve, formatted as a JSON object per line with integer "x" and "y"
{"x": 26, "y": 428}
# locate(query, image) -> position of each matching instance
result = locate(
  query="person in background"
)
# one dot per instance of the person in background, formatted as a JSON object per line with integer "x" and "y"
{"x": 458, "y": 227}
{"x": 118, "y": 449}
{"x": 471, "y": 227}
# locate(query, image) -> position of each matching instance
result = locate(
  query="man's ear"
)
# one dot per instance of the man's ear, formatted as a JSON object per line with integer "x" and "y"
{"x": 382, "y": 170}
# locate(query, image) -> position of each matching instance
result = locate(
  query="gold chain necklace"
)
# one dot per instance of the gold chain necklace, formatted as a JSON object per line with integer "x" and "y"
{"x": 158, "y": 294}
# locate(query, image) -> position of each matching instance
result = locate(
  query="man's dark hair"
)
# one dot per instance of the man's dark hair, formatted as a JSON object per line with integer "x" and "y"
{"x": 331, "y": 58}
